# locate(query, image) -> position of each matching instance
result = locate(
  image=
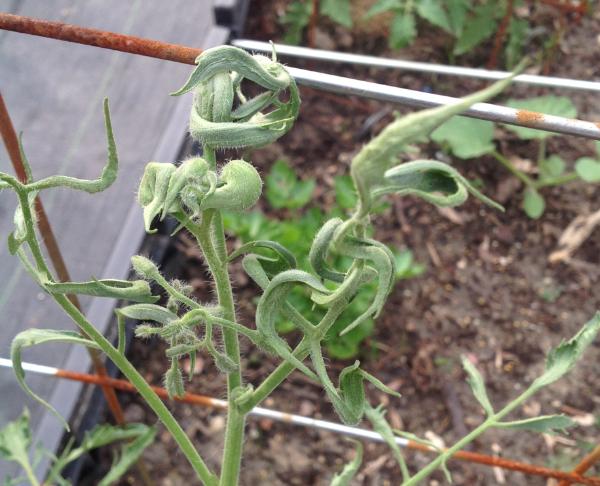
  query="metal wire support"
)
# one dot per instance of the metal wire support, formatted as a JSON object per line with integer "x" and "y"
{"x": 327, "y": 82}
{"x": 288, "y": 418}
{"x": 423, "y": 67}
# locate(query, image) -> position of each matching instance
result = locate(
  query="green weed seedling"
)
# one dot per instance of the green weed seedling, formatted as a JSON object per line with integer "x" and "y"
{"x": 469, "y": 23}
{"x": 16, "y": 445}
{"x": 196, "y": 193}
{"x": 467, "y": 138}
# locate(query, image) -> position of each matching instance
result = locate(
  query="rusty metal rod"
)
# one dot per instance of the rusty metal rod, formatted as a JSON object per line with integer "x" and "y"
{"x": 336, "y": 84}
{"x": 586, "y": 463}
{"x": 210, "y": 402}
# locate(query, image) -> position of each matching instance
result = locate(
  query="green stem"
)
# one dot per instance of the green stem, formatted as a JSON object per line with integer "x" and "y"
{"x": 30, "y": 474}
{"x": 143, "y": 388}
{"x": 211, "y": 239}
{"x": 513, "y": 170}
{"x": 490, "y": 422}
{"x": 557, "y": 181}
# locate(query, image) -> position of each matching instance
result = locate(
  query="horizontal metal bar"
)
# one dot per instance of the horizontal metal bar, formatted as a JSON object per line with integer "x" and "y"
{"x": 484, "y": 111}
{"x": 327, "y": 82}
{"x": 425, "y": 67}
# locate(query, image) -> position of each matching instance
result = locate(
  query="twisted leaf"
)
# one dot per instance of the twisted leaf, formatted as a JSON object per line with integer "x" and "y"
{"x": 137, "y": 291}
{"x": 320, "y": 249}
{"x": 434, "y": 181}
{"x": 33, "y": 337}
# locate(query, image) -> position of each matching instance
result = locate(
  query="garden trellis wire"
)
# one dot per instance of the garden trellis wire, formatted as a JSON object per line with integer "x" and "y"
{"x": 422, "y": 67}
{"x": 336, "y": 84}
{"x": 288, "y": 418}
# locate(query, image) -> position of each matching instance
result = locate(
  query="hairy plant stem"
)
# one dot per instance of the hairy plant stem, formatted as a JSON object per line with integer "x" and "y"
{"x": 29, "y": 473}
{"x": 211, "y": 239}
{"x": 488, "y": 423}
{"x": 279, "y": 374}
{"x": 116, "y": 357}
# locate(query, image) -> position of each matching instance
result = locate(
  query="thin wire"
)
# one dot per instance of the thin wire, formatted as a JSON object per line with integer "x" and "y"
{"x": 289, "y": 418}
{"x": 463, "y": 72}
{"x": 328, "y": 82}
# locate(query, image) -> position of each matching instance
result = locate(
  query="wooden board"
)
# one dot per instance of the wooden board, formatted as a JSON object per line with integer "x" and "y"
{"x": 54, "y": 92}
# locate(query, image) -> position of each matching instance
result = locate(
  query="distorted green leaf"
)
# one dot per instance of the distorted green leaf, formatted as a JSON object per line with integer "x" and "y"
{"x": 466, "y": 137}
{"x": 533, "y": 203}
{"x": 588, "y": 169}
{"x": 562, "y": 358}
{"x": 545, "y": 424}
{"x": 136, "y": 291}
{"x": 550, "y": 105}
{"x": 475, "y": 381}
{"x": 33, "y": 337}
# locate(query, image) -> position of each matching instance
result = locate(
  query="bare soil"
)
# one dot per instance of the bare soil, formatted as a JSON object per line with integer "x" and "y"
{"x": 489, "y": 292}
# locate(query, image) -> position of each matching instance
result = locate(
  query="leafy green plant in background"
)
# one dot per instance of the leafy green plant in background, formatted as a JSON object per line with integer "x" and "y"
{"x": 16, "y": 445}
{"x": 196, "y": 193}
{"x": 467, "y": 138}
{"x": 469, "y": 22}
{"x": 285, "y": 190}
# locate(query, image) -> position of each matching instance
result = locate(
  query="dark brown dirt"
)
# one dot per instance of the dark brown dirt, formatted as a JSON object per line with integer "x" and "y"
{"x": 489, "y": 293}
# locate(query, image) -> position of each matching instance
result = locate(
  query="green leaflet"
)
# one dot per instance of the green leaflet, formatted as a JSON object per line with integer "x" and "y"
{"x": 370, "y": 165}
{"x": 15, "y": 440}
{"x": 137, "y": 291}
{"x": 239, "y": 187}
{"x": 434, "y": 181}
{"x": 100, "y": 436}
{"x": 270, "y": 305}
{"x": 320, "y": 248}
{"x": 33, "y": 337}
{"x": 345, "y": 477}
{"x": 153, "y": 190}
{"x": 148, "y": 312}
{"x": 109, "y": 172}
{"x": 285, "y": 259}
{"x": 377, "y": 418}
{"x": 546, "y": 424}
{"x": 260, "y": 69}
{"x": 477, "y": 385}
{"x": 562, "y": 358}
{"x": 129, "y": 455}
{"x": 384, "y": 264}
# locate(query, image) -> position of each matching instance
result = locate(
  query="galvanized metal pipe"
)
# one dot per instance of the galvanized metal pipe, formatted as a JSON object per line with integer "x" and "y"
{"x": 418, "y": 99}
{"x": 424, "y": 67}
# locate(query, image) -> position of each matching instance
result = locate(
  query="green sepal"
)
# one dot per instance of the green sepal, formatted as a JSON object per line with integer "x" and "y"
{"x": 136, "y": 291}
{"x": 33, "y": 337}
{"x": 174, "y": 380}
